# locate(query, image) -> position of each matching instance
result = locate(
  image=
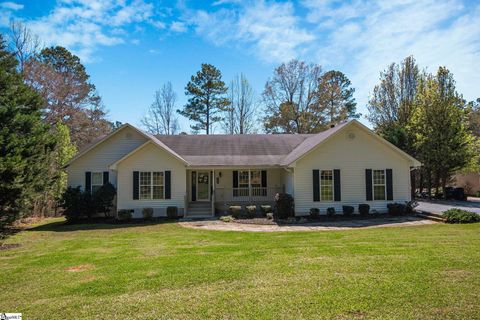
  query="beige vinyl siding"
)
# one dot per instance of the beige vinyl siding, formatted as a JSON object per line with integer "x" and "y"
{"x": 151, "y": 158}
{"x": 352, "y": 157}
{"x": 100, "y": 157}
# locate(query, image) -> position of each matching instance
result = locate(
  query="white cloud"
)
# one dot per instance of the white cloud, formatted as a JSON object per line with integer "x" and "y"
{"x": 84, "y": 25}
{"x": 178, "y": 26}
{"x": 362, "y": 37}
{"x": 270, "y": 30}
{"x": 11, "y": 5}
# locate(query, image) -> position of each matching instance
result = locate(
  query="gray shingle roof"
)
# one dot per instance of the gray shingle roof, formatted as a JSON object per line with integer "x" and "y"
{"x": 244, "y": 150}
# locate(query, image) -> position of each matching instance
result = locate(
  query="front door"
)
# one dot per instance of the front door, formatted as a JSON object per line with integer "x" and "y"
{"x": 203, "y": 186}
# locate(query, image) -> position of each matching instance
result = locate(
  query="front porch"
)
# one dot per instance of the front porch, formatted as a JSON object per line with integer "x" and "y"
{"x": 212, "y": 191}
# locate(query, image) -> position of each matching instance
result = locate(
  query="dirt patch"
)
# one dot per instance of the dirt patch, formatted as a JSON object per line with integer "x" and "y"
{"x": 79, "y": 268}
{"x": 9, "y": 246}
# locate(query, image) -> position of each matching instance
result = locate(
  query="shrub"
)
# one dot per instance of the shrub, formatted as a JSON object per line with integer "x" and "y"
{"x": 77, "y": 204}
{"x": 396, "y": 209}
{"x": 124, "y": 214}
{"x": 147, "y": 213}
{"x": 348, "y": 210}
{"x": 265, "y": 209}
{"x": 460, "y": 216}
{"x": 235, "y": 211}
{"x": 251, "y": 211}
{"x": 227, "y": 219}
{"x": 103, "y": 199}
{"x": 283, "y": 206}
{"x": 314, "y": 213}
{"x": 172, "y": 212}
{"x": 330, "y": 211}
{"x": 364, "y": 209}
{"x": 270, "y": 215}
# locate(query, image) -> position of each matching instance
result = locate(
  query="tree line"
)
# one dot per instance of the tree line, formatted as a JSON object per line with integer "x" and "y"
{"x": 49, "y": 109}
{"x": 298, "y": 98}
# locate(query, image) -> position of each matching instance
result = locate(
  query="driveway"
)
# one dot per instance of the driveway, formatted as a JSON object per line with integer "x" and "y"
{"x": 438, "y": 206}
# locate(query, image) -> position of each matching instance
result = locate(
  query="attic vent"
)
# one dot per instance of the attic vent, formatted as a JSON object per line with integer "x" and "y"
{"x": 350, "y": 135}
{"x": 128, "y": 135}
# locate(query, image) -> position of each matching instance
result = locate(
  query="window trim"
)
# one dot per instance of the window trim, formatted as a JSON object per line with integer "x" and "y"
{"x": 151, "y": 185}
{"x": 91, "y": 181}
{"x": 320, "y": 185}
{"x": 377, "y": 185}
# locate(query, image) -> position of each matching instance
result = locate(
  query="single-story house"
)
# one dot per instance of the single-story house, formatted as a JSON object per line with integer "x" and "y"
{"x": 347, "y": 164}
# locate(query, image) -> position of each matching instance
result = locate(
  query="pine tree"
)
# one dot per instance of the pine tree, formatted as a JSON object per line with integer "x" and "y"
{"x": 25, "y": 144}
{"x": 207, "y": 98}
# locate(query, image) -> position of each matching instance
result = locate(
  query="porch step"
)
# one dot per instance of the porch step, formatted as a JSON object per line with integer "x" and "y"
{"x": 199, "y": 209}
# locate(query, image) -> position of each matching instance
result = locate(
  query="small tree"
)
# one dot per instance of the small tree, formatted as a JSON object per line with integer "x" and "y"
{"x": 160, "y": 117}
{"x": 207, "y": 98}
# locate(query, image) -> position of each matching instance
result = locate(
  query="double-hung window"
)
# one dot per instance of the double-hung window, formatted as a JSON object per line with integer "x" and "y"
{"x": 326, "y": 185}
{"x": 97, "y": 181}
{"x": 378, "y": 184}
{"x": 151, "y": 185}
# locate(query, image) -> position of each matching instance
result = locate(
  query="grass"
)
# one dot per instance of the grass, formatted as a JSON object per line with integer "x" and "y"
{"x": 161, "y": 271}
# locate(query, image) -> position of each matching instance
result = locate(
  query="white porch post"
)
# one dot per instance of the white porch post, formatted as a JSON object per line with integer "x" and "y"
{"x": 249, "y": 187}
{"x": 213, "y": 191}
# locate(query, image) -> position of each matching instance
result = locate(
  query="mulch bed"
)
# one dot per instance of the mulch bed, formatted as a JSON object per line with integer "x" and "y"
{"x": 307, "y": 219}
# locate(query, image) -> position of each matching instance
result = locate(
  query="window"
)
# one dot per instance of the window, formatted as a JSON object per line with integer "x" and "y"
{"x": 97, "y": 181}
{"x": 378, "y": 184}
{"x": 256, "y": 178}
{"x": 151, "y": 185}
{"x": 243, "y": 179}
{"x": 326, "y": 185}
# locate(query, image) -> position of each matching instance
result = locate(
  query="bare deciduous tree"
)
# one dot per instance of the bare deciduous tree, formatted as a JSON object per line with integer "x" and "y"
{"x": 240, "y": 117}
{"x": 23, "y": 43}
{"x": 160, "y": 117}
{"x": 290, "y": 99}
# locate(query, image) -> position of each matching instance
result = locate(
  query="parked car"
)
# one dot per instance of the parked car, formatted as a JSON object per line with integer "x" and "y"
{"x": 455, "y": 193}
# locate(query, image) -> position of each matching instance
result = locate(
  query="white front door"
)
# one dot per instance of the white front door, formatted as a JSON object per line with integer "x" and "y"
{"x": 203, "y": 185}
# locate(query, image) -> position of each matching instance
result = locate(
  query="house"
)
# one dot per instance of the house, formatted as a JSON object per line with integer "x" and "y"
{"x": 203, "y": 174}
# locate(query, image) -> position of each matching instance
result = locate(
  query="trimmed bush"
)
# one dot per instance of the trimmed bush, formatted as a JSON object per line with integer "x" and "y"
{"x": 396, "y": 209}
{"x": 330, "y": 211}
{"x": 147, "y": 213}
{"x": 348, "y": 210}
{"x": 364, "y": 209}
{"x": 124, "y": 215}
{"x": 266, "y": 209}
{"x": 172, "y": 212}
{"x": 270, "y": 215}
{"x": 77, "y": 204}
{"x": 103, "y": 199}
{"x": 460, "y": 216}
{"x": 284, "y": 206}
{"x": 251, "y": 211}
{"x": 235, "y": 211}
{"x": 227, "y": 218}
{"x": 314, "y": 213}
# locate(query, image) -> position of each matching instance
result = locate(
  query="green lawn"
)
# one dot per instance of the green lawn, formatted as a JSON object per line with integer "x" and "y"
{"x": 165, "y": 271}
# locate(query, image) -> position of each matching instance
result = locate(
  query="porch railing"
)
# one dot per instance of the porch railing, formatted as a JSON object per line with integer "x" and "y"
{"x": 246, "y": 194}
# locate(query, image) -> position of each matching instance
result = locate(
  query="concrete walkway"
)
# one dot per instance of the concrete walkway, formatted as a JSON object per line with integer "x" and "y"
{"x": 317, "y": 226}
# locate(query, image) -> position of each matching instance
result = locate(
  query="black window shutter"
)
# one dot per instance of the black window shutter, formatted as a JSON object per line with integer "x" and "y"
{"x": 264, "y": 178}
{"x": 336, "y": 185}
{"x": 235, "y": 179}
{"x": 106, "y": 178}
{"x": 168, "y": 185}
{"x": 389, "y": 178}
{"x": 135, "y": 185}
{"x": 368, "y": 184}
{"x": 88, "y": 181}
{"x": 316, "y": 185}
{"x": 194, "y": 186}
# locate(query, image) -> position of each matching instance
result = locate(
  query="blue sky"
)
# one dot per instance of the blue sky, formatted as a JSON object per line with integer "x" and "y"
{"x": 130, "y": 48}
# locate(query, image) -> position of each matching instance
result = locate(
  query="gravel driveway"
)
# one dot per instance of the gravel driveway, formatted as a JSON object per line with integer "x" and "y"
{"x": 438, "y": 206}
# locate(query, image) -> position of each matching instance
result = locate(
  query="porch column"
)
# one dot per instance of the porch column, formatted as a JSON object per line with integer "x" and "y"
{"x": 214, "y": 182}
{"x": 249, "y": 187}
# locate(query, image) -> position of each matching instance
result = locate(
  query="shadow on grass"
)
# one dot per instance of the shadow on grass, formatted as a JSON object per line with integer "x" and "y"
{"x": 63, "y": 226}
